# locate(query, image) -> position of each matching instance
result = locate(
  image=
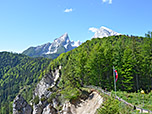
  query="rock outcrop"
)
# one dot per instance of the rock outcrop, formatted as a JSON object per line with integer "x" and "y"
{"x": 41, "y": 90}
{"x": 46, "y": 104}
{"x": 47, "y": 81}
{"x": 20, "y": 106}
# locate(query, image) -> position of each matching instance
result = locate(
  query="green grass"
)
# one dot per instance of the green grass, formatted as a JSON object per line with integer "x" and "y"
{"x": 114, "y": 106}
{"x": 139, "y": 100}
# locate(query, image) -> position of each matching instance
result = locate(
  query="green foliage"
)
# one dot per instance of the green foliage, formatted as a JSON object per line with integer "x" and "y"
{"x": 110, "y": 106}
{"x": 91, "y": 64}
{"x": 43, "y": 99}
{"x": 113, "y": 106}
{"x": 18, "y": 73}
{"x": 137, "y": 99}
{"x": 36, "y": 100}
{"x": 127, "y": 70}
{"x": 53, "y": 95}
{"x": 149, "y": 34}
{"x": 70, "y": 93}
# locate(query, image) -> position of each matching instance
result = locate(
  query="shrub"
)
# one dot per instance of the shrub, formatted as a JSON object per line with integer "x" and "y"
{"x": 36, "y": 100}
{"x": 51, "y": 97}
{"x": 70, "y": 93}
{"x": 43, "y": 99}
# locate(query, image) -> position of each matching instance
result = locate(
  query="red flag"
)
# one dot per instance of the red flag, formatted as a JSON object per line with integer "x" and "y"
{"x": 116, "y": 75}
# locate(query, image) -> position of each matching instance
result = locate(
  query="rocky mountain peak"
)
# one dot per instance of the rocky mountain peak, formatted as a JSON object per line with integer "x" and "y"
{"x": 104, "y": 32}
{"x": 54, "y": 49}
{"x": 63, "y": 38}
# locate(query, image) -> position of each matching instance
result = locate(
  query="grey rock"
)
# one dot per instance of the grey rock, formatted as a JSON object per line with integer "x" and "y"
{"x": 55, "y": 102}
{"x": 47, "y": 81}
{"x": 37, "y": 109}
{"x": 41, "y": 90}
{"x": 49, "y": 109}
{"x": 20, "y": 106}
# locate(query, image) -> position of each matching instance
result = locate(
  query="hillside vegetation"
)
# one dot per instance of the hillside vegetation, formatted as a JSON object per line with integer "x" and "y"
{"x": 18, "y": 72}
{"x": 92, "y": 63}
{"x": 137, "y": 99}
{"x": 89, "y": 64}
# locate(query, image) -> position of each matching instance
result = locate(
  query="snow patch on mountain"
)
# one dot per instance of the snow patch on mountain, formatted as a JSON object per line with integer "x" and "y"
{"x": 44, "y": 46}
{"x": 76, "y": 43}
{"x": 103, "y": 32}
{"x": 62, "y": 41}
{"x": 54, "y": 49}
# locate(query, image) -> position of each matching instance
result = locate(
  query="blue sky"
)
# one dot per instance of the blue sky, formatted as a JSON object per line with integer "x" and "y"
{"x": 25, "y": 23}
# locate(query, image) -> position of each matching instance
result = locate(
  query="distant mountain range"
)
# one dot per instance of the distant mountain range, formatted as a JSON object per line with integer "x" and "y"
{"x": 63, "y": 44}
{"x": 54, "y": 49}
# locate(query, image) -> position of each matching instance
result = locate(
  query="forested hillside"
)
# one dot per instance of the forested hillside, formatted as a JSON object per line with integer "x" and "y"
{"x": 18, "y": 72}
{"x": 92, "y": 63}
{"x": 89, "y": 64}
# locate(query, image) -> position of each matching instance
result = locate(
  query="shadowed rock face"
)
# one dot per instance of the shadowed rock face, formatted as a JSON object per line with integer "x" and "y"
{"x": 20, "y": 106}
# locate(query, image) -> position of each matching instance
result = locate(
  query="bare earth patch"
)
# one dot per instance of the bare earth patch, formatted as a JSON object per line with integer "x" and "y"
{"x": 87, "y": 106}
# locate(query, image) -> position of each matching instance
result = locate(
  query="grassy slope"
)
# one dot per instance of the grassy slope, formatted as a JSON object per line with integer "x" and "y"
{"x": 140, "y": 100}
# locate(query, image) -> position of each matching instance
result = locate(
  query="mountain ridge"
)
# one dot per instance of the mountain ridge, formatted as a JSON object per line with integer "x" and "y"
{"x": 64, "y": 44}
{"x": 54, "y": 49}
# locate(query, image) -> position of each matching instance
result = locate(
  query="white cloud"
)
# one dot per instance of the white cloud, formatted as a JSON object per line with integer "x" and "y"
{"x": 93, "y": 29}
{"x": 109, "y": 1}
{"x": 104, "y": 0}
{"x": 68, "y": 10}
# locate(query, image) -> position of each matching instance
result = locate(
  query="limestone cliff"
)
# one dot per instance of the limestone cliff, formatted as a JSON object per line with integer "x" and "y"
{"x": 49, "y": 80}
{"x": 87, "y": 105}
{"x": 41, "y": 90}
{"x": 20, "y": 106}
